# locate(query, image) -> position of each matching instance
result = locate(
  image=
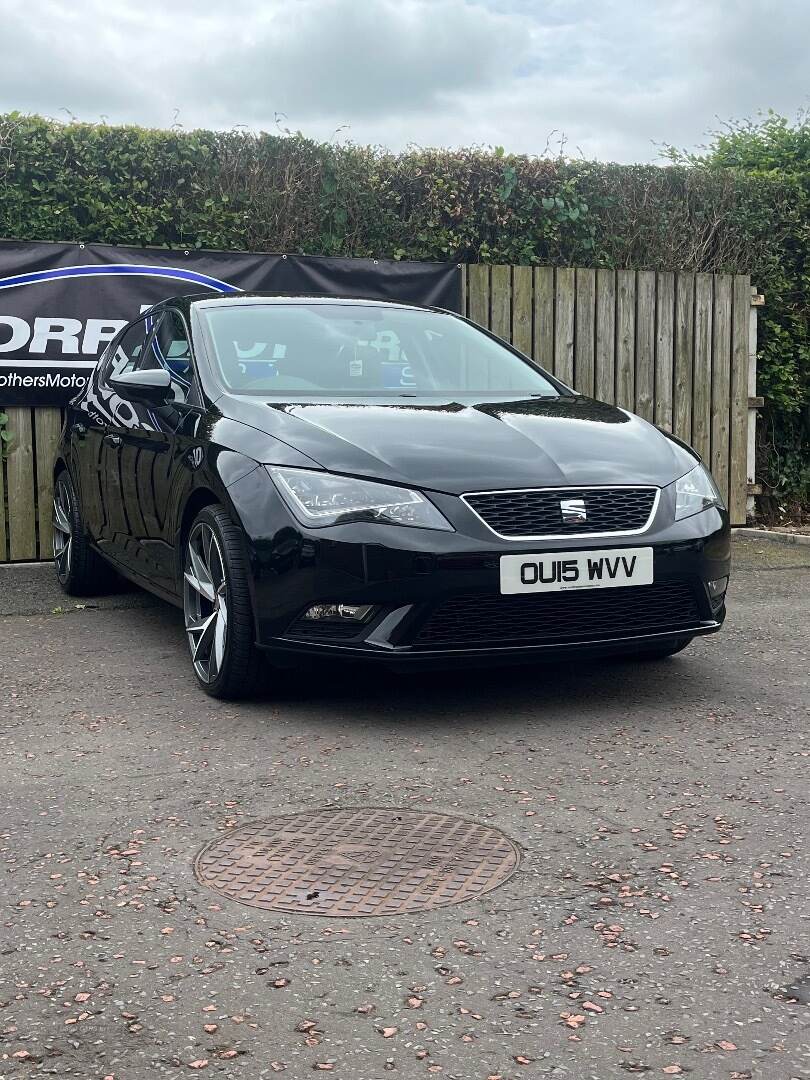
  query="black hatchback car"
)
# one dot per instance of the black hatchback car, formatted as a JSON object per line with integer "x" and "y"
{"x": 380, "y": 482}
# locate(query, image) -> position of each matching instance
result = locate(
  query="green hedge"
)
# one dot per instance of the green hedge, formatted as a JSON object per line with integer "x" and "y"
{"x": 237, "y": 190}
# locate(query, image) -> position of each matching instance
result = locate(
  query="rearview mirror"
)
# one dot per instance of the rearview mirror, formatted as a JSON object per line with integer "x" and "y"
{"x": 153, "y": 386}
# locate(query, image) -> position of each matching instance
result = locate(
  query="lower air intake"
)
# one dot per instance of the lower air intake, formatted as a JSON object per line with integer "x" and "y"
{"x": 577, "y": 615}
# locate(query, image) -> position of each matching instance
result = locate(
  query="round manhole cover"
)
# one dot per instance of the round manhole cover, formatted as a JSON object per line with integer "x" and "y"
{"x": 357, "y": 862}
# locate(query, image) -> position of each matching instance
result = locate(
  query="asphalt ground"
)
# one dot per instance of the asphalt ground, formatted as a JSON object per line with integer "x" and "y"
{"x": 657, "y": 925}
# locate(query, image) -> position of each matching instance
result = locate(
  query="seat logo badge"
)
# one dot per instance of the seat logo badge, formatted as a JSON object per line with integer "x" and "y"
{"x": 573, "y": 511}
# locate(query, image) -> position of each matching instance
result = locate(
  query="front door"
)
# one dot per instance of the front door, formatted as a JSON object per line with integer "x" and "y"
{"x": 102, "y": 501}
{"x": 151, "y": 455}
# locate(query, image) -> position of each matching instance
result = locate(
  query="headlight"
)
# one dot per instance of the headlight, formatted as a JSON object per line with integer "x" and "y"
{"x": 695, "y": 492}
{"x": 319, "y": 499}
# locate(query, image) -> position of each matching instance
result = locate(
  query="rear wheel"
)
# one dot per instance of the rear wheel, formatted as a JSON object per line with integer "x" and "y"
{"x": 217, "y": 609}
{"x": 79, "y": 569}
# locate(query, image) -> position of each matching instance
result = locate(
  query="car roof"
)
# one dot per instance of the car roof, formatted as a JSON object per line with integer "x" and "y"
{"x": 205, "y": 300}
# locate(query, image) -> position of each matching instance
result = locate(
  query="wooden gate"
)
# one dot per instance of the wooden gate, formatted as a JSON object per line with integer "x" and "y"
{"x": 674, "y": 348}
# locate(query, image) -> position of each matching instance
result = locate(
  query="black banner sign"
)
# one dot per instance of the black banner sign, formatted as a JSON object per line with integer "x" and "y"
{"x": 60, "y": 304}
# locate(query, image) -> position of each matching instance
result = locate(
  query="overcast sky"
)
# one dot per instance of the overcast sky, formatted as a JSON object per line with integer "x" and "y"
{"x": 615, "y": 76}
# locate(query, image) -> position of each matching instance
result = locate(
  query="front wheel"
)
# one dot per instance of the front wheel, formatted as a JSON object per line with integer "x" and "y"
{"x": 217, "y": 609}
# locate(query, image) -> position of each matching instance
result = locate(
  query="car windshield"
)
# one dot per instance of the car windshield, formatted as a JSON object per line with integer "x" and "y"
{"x": 349, "y": 350}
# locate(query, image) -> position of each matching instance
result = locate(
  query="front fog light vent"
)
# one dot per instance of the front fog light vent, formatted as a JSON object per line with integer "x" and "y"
{"x": 352, "y": 612}
{"x": 717, "y": 587}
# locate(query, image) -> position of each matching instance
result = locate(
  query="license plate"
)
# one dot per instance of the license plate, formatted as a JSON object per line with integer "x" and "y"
{"x": 558, "y": 571}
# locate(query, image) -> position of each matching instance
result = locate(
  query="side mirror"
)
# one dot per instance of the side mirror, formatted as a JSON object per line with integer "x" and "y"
{"x": 153, "y": 386}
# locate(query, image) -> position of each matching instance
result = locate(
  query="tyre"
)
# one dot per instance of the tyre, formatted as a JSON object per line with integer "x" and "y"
{"x": 217, "y": 608}
{"x": 80, "y": 570}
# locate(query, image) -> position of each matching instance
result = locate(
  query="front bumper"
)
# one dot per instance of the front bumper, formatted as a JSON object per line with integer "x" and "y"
{"x": 424, "y": 583}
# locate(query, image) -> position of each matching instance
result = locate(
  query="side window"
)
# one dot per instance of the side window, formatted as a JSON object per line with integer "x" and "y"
{"x": 170, "y": 349}
{"x": 150, "y": 358}
{"x": 129, "y": 351}
{"x": 172, "y": 341}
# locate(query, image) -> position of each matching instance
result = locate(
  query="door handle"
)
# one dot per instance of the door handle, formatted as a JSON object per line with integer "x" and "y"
{"x": 112, "y": 440}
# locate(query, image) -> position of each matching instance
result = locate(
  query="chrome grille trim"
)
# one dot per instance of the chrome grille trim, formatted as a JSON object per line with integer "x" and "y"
{"x": 562, "y": 492}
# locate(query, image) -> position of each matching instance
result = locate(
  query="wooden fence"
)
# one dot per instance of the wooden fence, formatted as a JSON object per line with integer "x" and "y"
{"x": 26, "y": 484}
{"x": 674, "y": 348}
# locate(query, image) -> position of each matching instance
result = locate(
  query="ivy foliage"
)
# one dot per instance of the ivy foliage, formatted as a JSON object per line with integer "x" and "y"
{"x": 741, "y": 207}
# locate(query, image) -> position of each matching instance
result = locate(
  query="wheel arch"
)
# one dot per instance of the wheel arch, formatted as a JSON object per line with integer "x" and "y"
{"x": 198, "y": 498}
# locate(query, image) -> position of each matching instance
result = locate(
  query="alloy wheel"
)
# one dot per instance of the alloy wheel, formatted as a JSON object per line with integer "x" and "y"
{"x": 205, "y": 601}
{"x": 62, "y": 530}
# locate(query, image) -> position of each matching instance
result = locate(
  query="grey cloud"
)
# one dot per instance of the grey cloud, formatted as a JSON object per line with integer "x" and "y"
{"x": 49, "y": 60}
{"x": 346, "y": 61}
{"x": 614, "y": 76}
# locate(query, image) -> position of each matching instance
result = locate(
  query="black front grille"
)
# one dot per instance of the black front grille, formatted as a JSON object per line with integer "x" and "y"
{"x": 539, "y": 513}
{"x": 577, "y": 615}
